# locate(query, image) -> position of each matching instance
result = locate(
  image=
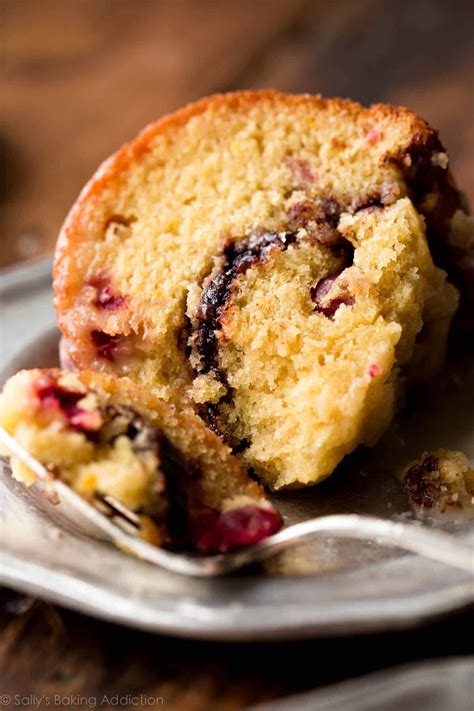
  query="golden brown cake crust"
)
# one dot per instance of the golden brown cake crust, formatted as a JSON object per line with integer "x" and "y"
{"x": 75, "y": 227}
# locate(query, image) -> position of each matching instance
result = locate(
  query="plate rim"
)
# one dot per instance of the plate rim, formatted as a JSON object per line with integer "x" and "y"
{"x": 337, "y": 619}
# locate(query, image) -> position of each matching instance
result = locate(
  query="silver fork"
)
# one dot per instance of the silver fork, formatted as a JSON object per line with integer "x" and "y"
{"x": 122, "y": 527}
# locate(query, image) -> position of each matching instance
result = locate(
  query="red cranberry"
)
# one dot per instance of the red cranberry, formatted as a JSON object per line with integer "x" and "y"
{"x": 220, "y": 532}
{"x": 105, "y": 344}
{"x": 329, "y": 307}
{"x": 106, "y": 298}
{"x": 373, "y": 136}
{"x": 374, "y": 370}
{"x": 86, "y": 420}
{"x": 55, "y": 396}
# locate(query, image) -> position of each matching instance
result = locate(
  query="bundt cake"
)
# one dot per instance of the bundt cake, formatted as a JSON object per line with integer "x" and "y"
{"x": 108, "y": 437}
{"x": 440, "y": 482}
{"x": 272, "y": 262}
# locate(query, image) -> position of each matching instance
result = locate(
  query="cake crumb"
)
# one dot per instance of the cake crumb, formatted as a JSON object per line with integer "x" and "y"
{"x": 440, "y": 482}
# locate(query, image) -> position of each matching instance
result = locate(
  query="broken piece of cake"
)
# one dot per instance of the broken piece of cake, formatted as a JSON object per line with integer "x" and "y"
{"x": 105, "y": 437}
{"x": 440, "y": 482}
{"x": 278, "y": 263}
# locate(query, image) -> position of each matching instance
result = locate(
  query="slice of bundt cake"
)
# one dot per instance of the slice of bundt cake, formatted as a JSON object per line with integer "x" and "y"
{"x": 268, "y": 260}
{"x": 106, "y": 437}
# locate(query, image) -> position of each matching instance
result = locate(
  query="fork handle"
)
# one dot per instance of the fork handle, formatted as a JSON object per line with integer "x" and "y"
{"x": 435, "y": 545}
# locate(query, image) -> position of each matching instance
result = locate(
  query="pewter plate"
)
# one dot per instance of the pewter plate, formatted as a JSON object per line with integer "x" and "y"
{"x": 326, "y": 588}
{"x": 437, "y": 685}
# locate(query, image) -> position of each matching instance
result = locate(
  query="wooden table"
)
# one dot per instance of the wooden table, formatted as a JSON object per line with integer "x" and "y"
{"x": 82, "y": 76}
{"x": 79, "y": 78}
{"x": 47, "y": 651}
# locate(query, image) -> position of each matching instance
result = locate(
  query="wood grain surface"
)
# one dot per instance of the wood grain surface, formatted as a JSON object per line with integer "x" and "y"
{"x": 47, "y": 652}
{"x": 79, "y": 77}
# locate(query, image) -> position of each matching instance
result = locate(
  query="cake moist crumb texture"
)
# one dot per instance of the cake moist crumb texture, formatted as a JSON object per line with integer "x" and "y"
{"x": 274, "y": 263}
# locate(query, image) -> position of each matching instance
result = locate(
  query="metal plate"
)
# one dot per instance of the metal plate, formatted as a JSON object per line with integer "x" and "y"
{"x": 439, "y": 685}
{"x": 326, "y": 588}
